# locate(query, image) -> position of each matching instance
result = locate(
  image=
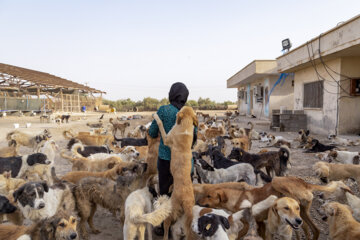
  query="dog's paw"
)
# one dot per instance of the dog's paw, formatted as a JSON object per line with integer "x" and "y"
{"x": 157, "y": 119}
{"x": 95, "y": 231}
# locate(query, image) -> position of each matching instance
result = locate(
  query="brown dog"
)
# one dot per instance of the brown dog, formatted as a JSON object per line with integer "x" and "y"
{"x": 10, "y": 151}
{"x": 213, "y": 132}
{"x": 119, "y": 126}
{"x": 179, "y": 139}
{"x": 296, "y": 188}
{"x": 152, "y": 155}
{"x": 54, "y": 228}
{"x": 84, "y": 164}
{"x": 283, "y": 216}
{"x": 243, "y": 143}
{"x": 342, "y": 225}
{"x": 109, "y": 194}
{"x": 9, "y": 184}
{"x": 336, "y": 172}
{"x": 119, "y": 169}
{"x": 91, "y": 140}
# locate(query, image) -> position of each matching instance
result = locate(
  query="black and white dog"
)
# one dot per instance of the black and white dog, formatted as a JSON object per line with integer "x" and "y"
{"x": 18, "y": 165}
{"x": 5, "y": 206}
{"x": 86, "y": 151}
{"x": 38, "y": 201}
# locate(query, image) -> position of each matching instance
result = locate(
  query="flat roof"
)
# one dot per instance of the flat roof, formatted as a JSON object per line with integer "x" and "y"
{"x": 335, "y": 42}
{"x": 253, "y": 71}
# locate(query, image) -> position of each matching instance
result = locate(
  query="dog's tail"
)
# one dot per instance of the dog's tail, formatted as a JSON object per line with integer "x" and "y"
{"x": 72, "y": 159}
{"x": 163, "y": 208}
{"x": 251, "y": 125}
{"x": 284, "y": 154}
{"x": 75, "y": 148}
{"x": 53, "y": 175}
{"x": 68, "y": 134}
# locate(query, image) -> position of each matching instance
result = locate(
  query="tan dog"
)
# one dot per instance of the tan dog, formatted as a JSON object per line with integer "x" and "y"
{"x": 91, "y": 140}
{"x": 179, "y": 139}
{"x": 243, "y": 143}
{"x": 335, "y": 172}
{"x": 119, "y": 126}
{"x": 9, "y": 184}
{"x": 27, "y": 140}
{"x": 119, "y": 169}
{"x": 213, "y": 132}
{"x": 84, "y": 164}
{"x": 152, "y": 155}
{"x": 54, "y": 228}
{"x": 283, "y": 216}
{"x": 296, "y": 188}
{"x": 10, "y": 151}
{"x": 342, "y": 225}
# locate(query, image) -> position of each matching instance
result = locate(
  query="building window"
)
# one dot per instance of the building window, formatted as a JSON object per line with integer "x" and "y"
{"x": 313, "y": 94}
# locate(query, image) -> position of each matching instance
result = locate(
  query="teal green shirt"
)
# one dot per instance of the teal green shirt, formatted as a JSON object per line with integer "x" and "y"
{"x": 167, "y": 114}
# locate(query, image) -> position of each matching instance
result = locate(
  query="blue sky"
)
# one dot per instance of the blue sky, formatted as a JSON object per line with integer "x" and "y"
{"x": 136, "y": 49}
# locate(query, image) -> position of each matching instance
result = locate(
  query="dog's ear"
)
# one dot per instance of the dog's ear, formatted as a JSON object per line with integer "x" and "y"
{"x": 179, "y": 117}
{"x": 111, "y": 165}
{"x": 307, "y": 132}
{"x": 333, "y": 153}
{"x": 18, "y": 192}
{"x": 222, "y": 196}
{"x": 225, "y": 222}
{"x": 45, "y": 186}
{"x": 274, "y": 209}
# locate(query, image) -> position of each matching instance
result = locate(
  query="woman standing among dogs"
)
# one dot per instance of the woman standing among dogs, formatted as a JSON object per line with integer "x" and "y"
{"x": 177, "y": 96}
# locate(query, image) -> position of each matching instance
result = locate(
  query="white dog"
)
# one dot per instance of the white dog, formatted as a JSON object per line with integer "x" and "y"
{"x": 138, "y": 213}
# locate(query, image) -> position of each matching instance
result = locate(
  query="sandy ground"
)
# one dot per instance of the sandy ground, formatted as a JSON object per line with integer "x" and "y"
{"x": 109, "y": 225}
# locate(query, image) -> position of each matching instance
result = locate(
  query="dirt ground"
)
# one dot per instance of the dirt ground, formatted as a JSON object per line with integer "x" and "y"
{"x": 109, "y": 225}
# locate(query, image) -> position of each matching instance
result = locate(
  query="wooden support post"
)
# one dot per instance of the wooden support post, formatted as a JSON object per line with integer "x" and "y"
{"x": 62, "y": 100}
{"x": 78, "y": 100}
{"x": 38, "y": 92}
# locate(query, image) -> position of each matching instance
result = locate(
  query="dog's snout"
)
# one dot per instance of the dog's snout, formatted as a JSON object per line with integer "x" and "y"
{"x": 137, "y": 154}
{"x": 324, "y": 218}
{"x": 298, "y": 221}
{"x": 73, "y": 236}
{"x": 47, "y": 162}
{"x": 41, "y": 205}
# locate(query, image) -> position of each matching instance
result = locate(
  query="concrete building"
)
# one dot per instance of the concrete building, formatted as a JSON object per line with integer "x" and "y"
{"x": 254, "y": 83}
{"x": 327, "y": 79}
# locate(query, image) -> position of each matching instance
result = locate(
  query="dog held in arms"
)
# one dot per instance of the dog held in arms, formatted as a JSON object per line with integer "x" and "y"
{"x": 179, "y": 139}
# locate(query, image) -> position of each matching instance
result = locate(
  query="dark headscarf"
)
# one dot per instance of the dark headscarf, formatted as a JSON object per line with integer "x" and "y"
{"x": 178, "y": 95}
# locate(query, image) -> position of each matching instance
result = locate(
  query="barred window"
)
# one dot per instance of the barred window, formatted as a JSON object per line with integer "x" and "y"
{"x": 313, "y": 94}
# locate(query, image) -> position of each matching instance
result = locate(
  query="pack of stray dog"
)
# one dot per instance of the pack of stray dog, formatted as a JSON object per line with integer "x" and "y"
{"x": 222, "y": 187}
